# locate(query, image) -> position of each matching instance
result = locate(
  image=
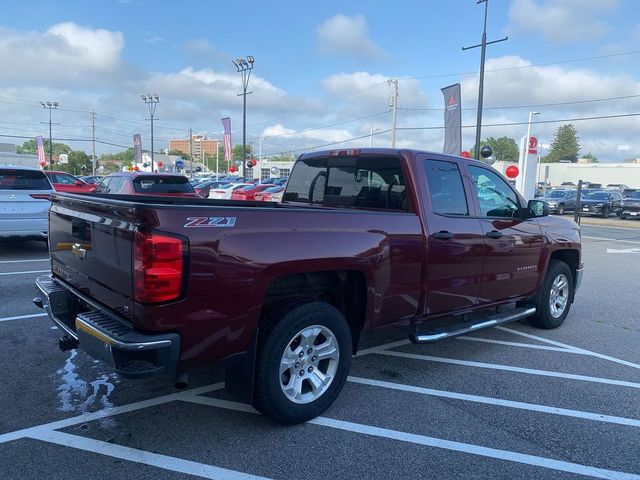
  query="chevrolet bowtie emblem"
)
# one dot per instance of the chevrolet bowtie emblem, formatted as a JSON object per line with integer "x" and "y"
{"x": 78, "y": 251}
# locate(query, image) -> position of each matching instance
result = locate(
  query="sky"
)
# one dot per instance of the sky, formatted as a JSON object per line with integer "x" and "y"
{"x": 321, "y": 72}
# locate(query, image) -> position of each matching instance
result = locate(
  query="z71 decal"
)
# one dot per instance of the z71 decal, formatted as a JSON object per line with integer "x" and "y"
{"x": 210, "y": 222}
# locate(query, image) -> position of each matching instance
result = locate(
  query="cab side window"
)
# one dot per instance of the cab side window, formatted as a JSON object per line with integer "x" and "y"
{"x": 495, "y": 196}
{"x": 104, "y": 186}
{"x": 445, "y": 188}
{"x": 117, "y": 185}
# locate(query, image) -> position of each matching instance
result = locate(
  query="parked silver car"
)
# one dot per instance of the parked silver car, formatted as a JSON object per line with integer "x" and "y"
{"x": 24, "y": 202}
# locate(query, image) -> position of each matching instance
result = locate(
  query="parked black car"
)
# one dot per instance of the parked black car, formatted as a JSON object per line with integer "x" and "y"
{"x": 601, "y": 202}
{"x": 630, "y": 206}
{"x": 561, "y": 200}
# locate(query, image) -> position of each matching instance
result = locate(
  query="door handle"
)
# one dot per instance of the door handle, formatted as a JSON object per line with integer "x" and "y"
{"x": 442, "y": 235}
{"x": 494, "y": 234}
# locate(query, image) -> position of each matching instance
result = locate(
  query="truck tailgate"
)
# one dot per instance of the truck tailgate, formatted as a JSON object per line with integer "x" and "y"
{"x": 91, "y": 247}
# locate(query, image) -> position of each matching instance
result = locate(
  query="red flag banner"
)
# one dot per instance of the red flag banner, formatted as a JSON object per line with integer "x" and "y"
{"x": 41, "y": 157}
{"x": 228, "y": 153}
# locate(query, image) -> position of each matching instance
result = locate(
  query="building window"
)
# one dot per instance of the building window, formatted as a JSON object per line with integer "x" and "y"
{"x": 285, "y": 172}
{"x": 265, "y": 173}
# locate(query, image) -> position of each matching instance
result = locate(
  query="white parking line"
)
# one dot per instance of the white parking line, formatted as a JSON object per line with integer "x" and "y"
{"x": 384, "y": 346}
{"x": 165, "y": 462}
{"x": 508, "y": 368}
{"x": 611, "y": 239}
{"x": 29, "y": 260}
{"x": 570, "y": 347}
{"x": 90, "y": 417}
{"x": 597, "y": 417}
{"x": 517, "y": 344}
{"x": 21, "y": 317}
{"x": 507, "y": 455}
{"x": 30, "y": 271}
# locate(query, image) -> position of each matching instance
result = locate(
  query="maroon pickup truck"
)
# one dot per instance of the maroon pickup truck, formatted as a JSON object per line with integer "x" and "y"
{"x": 280, "y": 293}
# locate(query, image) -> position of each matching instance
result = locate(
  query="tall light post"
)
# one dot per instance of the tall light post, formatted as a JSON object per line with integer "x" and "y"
{"x": 244, "y": 67}
{"x": 483, "y": 49}
{"x": 152, "y": 102}
{"x": 50, "y": 106}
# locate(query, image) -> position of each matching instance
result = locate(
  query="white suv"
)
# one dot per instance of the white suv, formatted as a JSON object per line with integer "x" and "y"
{"x": 25, "y": 195}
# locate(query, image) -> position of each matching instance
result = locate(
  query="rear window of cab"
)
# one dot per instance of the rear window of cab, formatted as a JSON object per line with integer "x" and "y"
{"x": 151, "y": 184}
{"x": 15, "y": 179}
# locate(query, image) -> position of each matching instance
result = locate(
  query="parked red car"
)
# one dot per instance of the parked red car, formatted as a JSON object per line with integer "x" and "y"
{"x": 144, "y": 183}
{"x": 249, "y": 192}
{"x": 64, "y": 182}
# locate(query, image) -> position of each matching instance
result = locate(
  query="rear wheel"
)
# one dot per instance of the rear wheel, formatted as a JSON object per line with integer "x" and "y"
{"x": 606, "y": 211}
{"x": 560, "y": 210}
{"x": 304, "y": 356}
{"x": 555, "y": 297}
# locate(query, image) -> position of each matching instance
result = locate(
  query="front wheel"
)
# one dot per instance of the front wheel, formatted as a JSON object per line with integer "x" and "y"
{"x": 304, "y": 357}
{"x": 606, "y": 211}
{"x": 555, "y": 297}
{"x": 560, "y": 210}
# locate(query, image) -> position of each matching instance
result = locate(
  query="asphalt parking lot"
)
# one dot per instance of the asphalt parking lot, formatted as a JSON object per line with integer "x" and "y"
{"x": 512, "y": 402}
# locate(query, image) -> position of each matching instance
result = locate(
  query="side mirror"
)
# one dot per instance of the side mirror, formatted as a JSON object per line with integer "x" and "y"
{"x": 79, "y": 183}
{"x": 537, "y": 208}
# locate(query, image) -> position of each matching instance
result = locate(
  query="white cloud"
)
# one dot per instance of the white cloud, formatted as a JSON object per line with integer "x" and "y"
{"x": 519, "y": 83}
{"x": 64, "y": 52}
{"x": 562, "y": 21}
{"x": 348, "y": 36}
{"x": 152, "y": 38}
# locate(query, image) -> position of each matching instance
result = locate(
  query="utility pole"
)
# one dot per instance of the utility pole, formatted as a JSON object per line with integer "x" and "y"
{"x": 395, "y": 111}
{"x": 50, "y": 106}
{"x": 190, "y": 155}
{"x": 217, "y": 155}
{"x": 483, "y": 49}
{"x": 93, "y": 128}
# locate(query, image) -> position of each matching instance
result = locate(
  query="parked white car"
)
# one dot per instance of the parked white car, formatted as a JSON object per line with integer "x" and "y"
{"x": 25, "y": 195}
{"x": 224, "y": 192}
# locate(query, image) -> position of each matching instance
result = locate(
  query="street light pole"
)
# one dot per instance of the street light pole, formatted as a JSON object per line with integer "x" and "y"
{"x": 483, "y": 49}
{"x": 244, "y": 67}
{"x": 152, "y": 102}
{"x": 50, "y": 106}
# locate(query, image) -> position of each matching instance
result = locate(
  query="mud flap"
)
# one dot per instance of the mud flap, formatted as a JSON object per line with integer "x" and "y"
{"x": 239, "y": 378}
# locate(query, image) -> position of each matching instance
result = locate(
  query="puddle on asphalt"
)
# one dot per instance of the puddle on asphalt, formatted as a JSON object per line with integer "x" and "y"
{"x": 79, "y": 396}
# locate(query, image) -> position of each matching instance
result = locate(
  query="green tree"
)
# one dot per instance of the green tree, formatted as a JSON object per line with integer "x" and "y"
{"x": 180, "y": 153}
{"x": 591, "y": 157}
{"x": 79, "y": 163}
{"x": 30, "y": 147}
{"x": 123, "y": 158}
{"x": 565, "y": 145}
{"x": 505, "y": 149}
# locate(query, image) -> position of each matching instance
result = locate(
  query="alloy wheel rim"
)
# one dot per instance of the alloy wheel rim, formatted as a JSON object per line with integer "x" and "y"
{"x": 309, "y": 364}
{"x": 559, "y": 295}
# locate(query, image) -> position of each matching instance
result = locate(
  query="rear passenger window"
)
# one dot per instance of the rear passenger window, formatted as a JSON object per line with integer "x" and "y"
{"x": 359, "y": 182}
{"x": 445, "y": 188}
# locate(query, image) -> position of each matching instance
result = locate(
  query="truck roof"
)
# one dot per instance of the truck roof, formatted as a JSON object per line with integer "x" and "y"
{"x": 384, "y": 151}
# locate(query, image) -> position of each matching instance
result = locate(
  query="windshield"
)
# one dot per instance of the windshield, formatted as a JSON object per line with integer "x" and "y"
{"x": 596, "y": 196}
{"x": 556, "y": 194}
{"x": 162, "y": 185}
{"x": 13, "y": 179}
{"x": 634, "y": 195}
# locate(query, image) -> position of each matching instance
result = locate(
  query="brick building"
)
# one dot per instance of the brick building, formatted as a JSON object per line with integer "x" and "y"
{"x": 199, "y": 145}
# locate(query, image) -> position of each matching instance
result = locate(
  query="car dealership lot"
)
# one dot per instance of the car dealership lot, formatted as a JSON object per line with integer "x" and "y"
{"x": 513, "y": 402}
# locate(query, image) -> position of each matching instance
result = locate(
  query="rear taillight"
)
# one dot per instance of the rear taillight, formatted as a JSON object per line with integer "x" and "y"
{"x": 266, "y": 197}
{"x": 158, "y": 268}
{"x": 41, "y": 196}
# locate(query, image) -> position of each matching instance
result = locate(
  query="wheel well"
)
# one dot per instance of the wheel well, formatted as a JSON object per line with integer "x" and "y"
{"x": 344, "y": 289}
{"x": 570, "y": 257}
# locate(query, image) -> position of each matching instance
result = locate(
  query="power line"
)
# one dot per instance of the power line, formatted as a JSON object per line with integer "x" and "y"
{"x": 524, "y": 67}
{"x": 508, "y": 124}
{"x": 326, "y": 126}
{"x": 557, "y": 104}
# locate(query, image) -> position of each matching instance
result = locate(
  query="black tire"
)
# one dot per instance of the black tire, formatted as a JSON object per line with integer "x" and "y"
{"x": 560, "y": 210}
{"x": 623, "y": 217}
{"x": 606, "y": 212}
{"x": 279, "y": 331}
{"x": 544, "y": 318}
